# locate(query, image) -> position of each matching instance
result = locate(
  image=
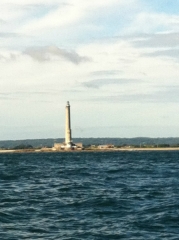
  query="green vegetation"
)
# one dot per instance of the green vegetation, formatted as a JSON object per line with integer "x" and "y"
{"x": 93, "y": 143}
{"x": 23, "y": 146}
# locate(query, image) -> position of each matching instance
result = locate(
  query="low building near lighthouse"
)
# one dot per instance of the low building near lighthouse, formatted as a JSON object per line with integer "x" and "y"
{"x": 68, "y": 144}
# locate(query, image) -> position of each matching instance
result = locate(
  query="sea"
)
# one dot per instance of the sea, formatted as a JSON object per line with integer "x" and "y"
{"x": 89, "y": 195}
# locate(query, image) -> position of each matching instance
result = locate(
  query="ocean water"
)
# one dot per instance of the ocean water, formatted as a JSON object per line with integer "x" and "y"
{"x": 89, "y": 195}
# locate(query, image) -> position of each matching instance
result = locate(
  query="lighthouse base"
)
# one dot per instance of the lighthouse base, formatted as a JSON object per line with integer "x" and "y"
{"x": 68, "y": 146}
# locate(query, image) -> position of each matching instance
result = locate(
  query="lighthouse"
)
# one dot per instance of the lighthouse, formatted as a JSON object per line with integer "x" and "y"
{"x": 68, "y": 139}
{"x": 68, "y": 144}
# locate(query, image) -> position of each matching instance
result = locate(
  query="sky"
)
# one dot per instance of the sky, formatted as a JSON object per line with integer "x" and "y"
{"x": 116, "y": 61}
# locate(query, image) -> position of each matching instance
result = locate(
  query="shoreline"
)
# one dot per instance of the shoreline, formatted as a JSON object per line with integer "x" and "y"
{"x": 90, "y": 150}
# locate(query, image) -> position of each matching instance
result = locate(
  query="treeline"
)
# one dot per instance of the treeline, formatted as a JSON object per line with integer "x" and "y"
{"x": 23, "y": 146}
{"x": 149, "y": 146}
{"x": 140, "y": 141}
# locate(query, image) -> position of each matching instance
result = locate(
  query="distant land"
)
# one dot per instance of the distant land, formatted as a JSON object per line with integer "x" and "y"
{"x": 138, "y": 141}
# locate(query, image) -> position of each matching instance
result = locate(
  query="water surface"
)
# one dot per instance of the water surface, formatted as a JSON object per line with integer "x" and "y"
{"x": 89, "y": 195}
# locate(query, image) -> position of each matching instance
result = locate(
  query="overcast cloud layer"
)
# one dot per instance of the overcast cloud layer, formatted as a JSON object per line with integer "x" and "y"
{"x": 116, "y": 61}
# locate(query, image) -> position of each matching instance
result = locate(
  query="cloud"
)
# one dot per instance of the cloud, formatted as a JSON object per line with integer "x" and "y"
{"x": 72, "y": 13}
{"x": 102, "y": 82}
{"x": 105, "y": 73}
{"x": 151, "y": 21}
{"x": 61, "y": 16}
{"x": 164, "y": 44}
{"x": 7, "y": 96}
{"x": 172, "y": 53}
{"x": 40, "y": 5}
{"x": 156, "y": 40}
{"x": 8, "y": 56}
{"x": 164, "y": 95}
{"x": 8, "y": 35}
{"x": 2, "y": 21}
{"x": 39, "y": 96}
{"x": 47, "y": 54}
{"x": 12, "y": 3}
